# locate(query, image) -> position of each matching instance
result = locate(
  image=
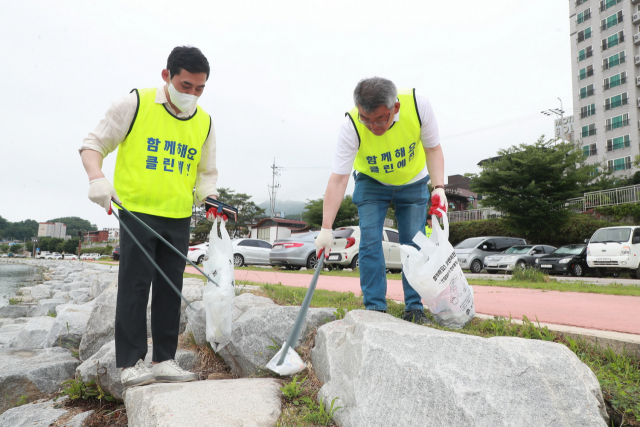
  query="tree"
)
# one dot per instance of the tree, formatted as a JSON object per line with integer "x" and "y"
{"x": 75, "y": 224}
{"x": 201, "y": 231}
{"x": 16, "y": 249}
{"x": 4, "y": 247}
{"x": 530, "y": 184}
{"x": 347, "y": 213}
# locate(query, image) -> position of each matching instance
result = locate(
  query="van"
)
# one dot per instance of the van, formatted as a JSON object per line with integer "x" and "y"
{"x": 615, "y": 249}
{"x": 471, "y": 252}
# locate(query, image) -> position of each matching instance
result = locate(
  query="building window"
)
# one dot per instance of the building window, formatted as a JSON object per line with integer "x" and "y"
{"x": 588, "y": 130}
{"x": 616, "y": 80}
{"x": 617, "y": 122}
{"x": 587, "y": 111}
{"x": 611, "y": 21}
{"x": 586, "y": 72}
{"x": 585, "y": 53}
{"x": 618, "y": 143}
{"x": 606, "y": 4}
{"x": 619, "y": 164}
{"x": 584, "y": 34}
{"x": 613, "y": 60}
{"x": 616, "y": 101}
{"x": 589, "y": 150}
{"x": 584, "y": 15}
{"x": 586, "y": 91}
{"x": 264, "y": 233}
{"x": 613, "y": 40}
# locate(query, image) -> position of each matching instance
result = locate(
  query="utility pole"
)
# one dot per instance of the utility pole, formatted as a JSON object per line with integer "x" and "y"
{"x": 559, "y": 113}
{"x": 273, "y": 188}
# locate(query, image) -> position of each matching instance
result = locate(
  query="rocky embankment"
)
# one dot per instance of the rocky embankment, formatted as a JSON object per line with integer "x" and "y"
{"x": 381, "y": 370}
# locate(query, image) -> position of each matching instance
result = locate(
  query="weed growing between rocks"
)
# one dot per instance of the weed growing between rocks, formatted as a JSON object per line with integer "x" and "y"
{"x": 15, "y": 301}
{"x": 210, "y": 365}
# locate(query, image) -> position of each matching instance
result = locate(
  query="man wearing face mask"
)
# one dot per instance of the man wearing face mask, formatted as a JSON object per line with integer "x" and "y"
{"x": 166, "y": 146}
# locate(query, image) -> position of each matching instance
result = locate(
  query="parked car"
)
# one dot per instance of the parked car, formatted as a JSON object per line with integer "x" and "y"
{"x": 472, "y": 252}
{"x": 346, "y": 247}
{"x": 71, "y": 256}
{"x": 295, "y": 252}
{"x": 569, "y": 259}
{"x": 42, "y": 255}
{"x": 516, "y": 256}
{"x": 10, "y": 255}
{"x": 115, "y": 254}
{"x": 20, "y": 256}
{"x": 615, "y": 249}
{"x": 197, "y": 253}
{"x": 53, "y": 255}
{"x": 250, "y": 251}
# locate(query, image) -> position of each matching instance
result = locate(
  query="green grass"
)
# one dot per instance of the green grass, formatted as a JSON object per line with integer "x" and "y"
{"x": 618, "y": 374}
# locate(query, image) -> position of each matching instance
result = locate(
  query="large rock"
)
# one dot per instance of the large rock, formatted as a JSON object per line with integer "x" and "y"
{"x": 33, "y": 415}
{"x": 245, "y": 402}
{"x": 39, "y": 292}
{"x": 80, "y": 296}
{"x": 68, "y": 287}
{"x": 34, "y": 333}
{"x": 14, "y": 311}
{"x": 96, "y": 287}
{"x": 46, "y": 306}
{"x": 32, "y": 373}
{"x": 9, "y": 331}
{"x": 69, "y": 326}
{"x": 103, "y": 362}
{"x": 258, "y": 328}
{"x": 385, "y": 371}
{"x": 101, "y": 326}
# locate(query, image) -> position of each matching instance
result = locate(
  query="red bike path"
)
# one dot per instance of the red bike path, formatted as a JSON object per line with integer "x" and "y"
{"x": 591, "y": 311}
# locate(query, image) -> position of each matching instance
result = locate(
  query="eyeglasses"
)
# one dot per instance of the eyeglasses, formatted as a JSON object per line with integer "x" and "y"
{"x": 368, "y": 123}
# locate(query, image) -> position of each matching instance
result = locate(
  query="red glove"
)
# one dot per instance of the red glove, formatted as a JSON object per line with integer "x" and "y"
{"x": 213, "y": 213}
{"x": 435, "y": 205}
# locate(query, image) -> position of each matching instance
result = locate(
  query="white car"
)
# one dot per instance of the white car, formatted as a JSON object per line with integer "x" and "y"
{"x": 71, "y": 256}
{"x": 198, "y": 253}
{"x": 346, "y": 246}
{"x": 53, "y": 255}
{"x": 615, "y": 249}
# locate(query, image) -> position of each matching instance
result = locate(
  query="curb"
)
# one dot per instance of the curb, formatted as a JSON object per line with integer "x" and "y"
{"x": 617, "y": 341}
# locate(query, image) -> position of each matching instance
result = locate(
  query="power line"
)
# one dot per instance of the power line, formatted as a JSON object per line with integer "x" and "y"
{"x": 497, "y": 125}
{"x": 273, "y": 188}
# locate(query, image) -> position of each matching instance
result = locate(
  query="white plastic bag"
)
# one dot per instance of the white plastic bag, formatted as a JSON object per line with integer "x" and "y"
{"x": 434, "y": 272}
{"x": 292, "y": 364}
{"x": 218, "y": 300}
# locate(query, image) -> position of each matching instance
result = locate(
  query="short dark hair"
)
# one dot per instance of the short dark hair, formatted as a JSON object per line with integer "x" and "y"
{"x": 188, "y": 58}
{"x": 374, "y": 92}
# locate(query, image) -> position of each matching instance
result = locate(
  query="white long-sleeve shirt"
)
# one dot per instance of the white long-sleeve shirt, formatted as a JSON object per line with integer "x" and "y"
{"x": 348, "y": 142}
{"x": 113, "y": 129}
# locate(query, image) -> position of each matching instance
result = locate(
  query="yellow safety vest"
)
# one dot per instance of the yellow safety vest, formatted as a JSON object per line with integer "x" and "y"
{"x": 158, "y": 161}
{"x": 427, "y": 231}
{"x": 397, "y": 156}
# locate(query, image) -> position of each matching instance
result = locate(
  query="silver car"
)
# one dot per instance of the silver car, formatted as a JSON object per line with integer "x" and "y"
{"x": 519, "y": 256}
{"x": 295, "y": 252}
{"x": 250, "y": 251}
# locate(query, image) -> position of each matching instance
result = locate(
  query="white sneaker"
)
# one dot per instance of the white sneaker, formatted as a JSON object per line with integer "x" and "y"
{"x": 170, "y": 372}
{"x": 136, "y": 375}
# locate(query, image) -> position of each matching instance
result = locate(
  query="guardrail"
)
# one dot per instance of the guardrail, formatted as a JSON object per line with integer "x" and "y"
{"x": 473, "y": 215}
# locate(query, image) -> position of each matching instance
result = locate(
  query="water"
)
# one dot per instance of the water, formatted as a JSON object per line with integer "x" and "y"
{"x": 11, "y": 277}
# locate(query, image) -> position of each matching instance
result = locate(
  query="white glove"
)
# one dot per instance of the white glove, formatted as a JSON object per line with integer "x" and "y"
{"x": 101, "y": 191}
{"x": 324, "y": 241}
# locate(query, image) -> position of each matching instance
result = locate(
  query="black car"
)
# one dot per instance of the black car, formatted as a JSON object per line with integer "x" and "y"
{"x": 116, "y": 253}
{"x": 570, "y": 259}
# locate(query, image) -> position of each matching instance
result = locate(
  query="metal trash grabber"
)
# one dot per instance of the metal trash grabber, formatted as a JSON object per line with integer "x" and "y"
{"x": 149, "y": 256}
{"x": 297, "y": 325}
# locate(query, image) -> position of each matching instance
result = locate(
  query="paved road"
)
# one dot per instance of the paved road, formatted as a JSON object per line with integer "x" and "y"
{"x": 591, "y": 311}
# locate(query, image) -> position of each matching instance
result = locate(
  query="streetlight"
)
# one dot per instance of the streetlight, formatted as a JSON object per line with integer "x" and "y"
{"x": 35, "y": 243}
{"x": 558, "y": 112}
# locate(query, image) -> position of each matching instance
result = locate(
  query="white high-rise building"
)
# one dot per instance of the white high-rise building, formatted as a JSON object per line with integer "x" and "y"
{"x": 51, "y": 229}
{"x": 605, "y": 53}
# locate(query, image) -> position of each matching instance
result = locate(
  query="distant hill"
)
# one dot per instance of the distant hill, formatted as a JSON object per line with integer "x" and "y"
{"x": 289, "y": 207}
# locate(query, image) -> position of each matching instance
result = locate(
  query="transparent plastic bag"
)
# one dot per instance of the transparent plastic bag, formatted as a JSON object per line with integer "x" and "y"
{"x": 434, "y": 272}
{"x": 292, "y": 364}
{"x": 218, "y": 300}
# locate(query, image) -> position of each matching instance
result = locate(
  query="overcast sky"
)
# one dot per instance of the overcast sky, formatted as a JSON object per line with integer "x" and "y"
{"x": 282, "y": 77}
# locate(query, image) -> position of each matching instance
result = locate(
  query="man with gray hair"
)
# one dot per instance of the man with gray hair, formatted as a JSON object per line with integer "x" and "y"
{"x": 394, "y": 154}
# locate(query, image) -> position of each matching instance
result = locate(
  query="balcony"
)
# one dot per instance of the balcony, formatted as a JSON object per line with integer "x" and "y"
{"x": 582, "y": 37}
{"x": 587, "y": 54}
{"x": 612, "y": 168}
{"x": 616, "y": 104}
{"x": 579, "y": 2}
{"x": 609, "y": 84}
{"x": 588, "y": 73}
{"x": 585, "y": 114}
{"x": 584, "y": 17}
{"x": 617, "y": 125}
{"x": 586, "y": 94}
{"x": 590, "y": 132}
{"x": 605, "y": 45}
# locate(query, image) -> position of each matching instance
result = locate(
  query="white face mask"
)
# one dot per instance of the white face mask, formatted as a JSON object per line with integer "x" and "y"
{"x": 183, "y": 101}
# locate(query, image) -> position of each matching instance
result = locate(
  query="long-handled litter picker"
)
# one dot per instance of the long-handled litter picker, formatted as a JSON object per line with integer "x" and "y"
{"x": 297, "y": 325}
{"x": 149, "y": 256}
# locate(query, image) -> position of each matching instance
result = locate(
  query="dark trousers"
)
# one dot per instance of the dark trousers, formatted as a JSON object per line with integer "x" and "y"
{"x": 135, "y": 276}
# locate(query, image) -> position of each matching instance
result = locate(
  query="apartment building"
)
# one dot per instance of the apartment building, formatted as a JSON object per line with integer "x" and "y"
{"x": 52, "y": 229}
{"x": 605, "y": 50}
